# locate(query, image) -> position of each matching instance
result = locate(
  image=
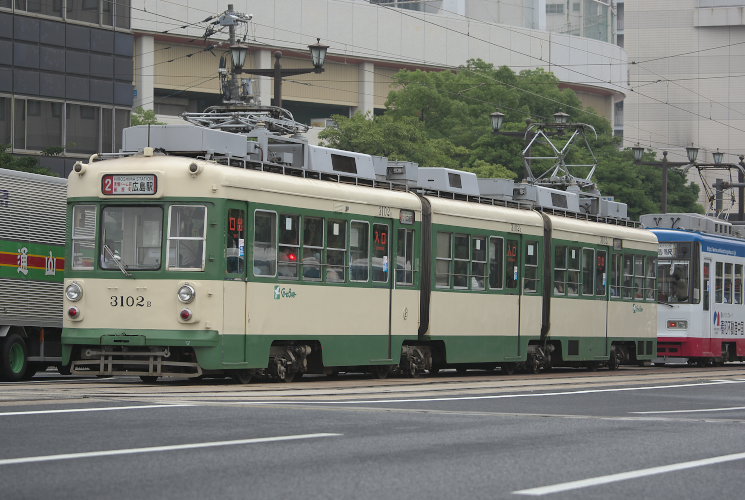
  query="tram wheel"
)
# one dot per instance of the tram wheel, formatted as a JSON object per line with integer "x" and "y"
{"x": 283, "y": 367}
{"x": 614, "y": 361}
{"x": 241, "y": 376}
{"x": 148, "y": 379}
{"x": 13, "y": 362}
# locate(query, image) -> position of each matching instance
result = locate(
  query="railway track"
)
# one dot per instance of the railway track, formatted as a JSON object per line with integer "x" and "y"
{"x": 62, "y": 391}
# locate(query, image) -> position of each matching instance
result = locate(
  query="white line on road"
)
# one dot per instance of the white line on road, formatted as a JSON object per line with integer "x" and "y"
{"x": 704, "y": 410}
{"x": 154, "y": 449}
{"x": 470, "y": 398}
{"x": 612, "y": 478}
{"x": 76, "y": 410}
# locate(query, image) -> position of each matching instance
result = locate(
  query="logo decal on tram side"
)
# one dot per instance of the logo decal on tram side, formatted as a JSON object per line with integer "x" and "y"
{"x": 637, "y": 308}
{"x": 281, "y": 292}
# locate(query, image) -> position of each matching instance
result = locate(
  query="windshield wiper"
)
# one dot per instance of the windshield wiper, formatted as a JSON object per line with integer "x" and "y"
{"x": 118, "y": 261}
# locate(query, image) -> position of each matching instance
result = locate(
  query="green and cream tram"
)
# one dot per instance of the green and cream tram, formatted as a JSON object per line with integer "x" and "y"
{"x": 178, "y": 266}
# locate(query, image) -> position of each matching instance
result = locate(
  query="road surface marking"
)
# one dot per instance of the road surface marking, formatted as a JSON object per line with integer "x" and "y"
{"x": 689, "y": 411}
{"x": 471, "y": 398}
{"x": 612, "y": 478}
{"x": 76, "y": 410}
{"x": 155, "y": 449}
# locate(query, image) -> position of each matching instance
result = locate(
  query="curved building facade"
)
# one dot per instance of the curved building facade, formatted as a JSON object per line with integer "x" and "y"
{"x": 176, "y": 71}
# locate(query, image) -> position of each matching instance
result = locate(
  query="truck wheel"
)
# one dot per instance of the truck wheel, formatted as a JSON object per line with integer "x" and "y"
{"x": 13, "y": 358}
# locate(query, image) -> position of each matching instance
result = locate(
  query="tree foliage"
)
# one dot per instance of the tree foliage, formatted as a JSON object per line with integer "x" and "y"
{"x": 142, "y": 116}
{"x": 22, "y": 163}
{"x": 443, "y": 119}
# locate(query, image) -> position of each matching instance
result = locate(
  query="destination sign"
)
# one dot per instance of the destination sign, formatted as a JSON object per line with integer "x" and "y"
{"x": 122, "y": 184}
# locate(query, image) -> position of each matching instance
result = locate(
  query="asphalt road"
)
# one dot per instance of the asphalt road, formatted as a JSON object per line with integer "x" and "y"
{"x": 636, "y": 433}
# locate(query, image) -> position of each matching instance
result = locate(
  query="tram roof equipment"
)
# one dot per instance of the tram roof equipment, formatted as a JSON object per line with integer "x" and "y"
{"x": 241, "y": 138}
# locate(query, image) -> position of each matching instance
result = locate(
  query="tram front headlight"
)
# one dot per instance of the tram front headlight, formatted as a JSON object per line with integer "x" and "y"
{"x": 186, "y": 293}
{"x": 74, "y": 292}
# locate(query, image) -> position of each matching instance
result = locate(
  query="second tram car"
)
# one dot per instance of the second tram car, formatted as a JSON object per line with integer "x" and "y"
{"x": 701, "y": 318}
{"x": 183, "y": 267}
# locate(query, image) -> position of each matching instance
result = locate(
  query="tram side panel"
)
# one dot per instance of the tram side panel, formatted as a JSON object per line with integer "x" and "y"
{"x": 352, "y": 293}
{"x": 478, "y": 313}
{"x": 603, "y": 292}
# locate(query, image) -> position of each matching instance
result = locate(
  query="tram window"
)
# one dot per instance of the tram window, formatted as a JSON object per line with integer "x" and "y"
{"x": 235, "y": 246}
{"x": 738, "y": 284}
{"x": 600, "y": 273}
{"x": 265, "y": 243}
{"x": 336, "y": 251}
{"x": 131, "y": 237}
{"x": 707, "y": 286}
{"x": 404, "y": 257}
{"x": 719, "y": 283}
{"x": 573, "y": 271}
{"x": 615, "y": 290}
{"x": 380, "y": 260}
{"x": 496, "y": 263}
{"x": 186, "y": 237}
{"x": 512, "y": 264}
{"x": 628, "y": 276}
{"x": 83, "y": 237}
{"x": 460, "y": 261}
{"x": 289, "y": 246}
{"x": 728, "y": 277}
{"x": 444, "y": 257}
{"x": 638, "y": 277}
{"x": 649, "y": 292}
{"x": 359, "y": 247}
{"x": 478, "y": 262}
{"x": 588, "y": 271}
{"x": 530, "y": 281}
{"x": 312, "y": 247}
{"x": 560, "y": 270}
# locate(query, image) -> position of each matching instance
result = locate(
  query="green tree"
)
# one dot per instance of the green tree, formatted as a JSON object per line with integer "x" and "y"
{"x": 442, "y": 119}
{"x": 142, "y": 116}
{"x": 22, "y": 163}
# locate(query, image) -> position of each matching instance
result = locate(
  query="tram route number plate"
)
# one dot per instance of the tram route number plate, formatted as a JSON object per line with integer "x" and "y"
{"x": 123, "y": 184}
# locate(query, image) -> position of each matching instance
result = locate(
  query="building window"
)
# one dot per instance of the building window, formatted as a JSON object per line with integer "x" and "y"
{"x": 5, "y": 121}
{"x": 554, "y": 8}
{"x": 44, "y": 128}
{"x": 83, "y": 129}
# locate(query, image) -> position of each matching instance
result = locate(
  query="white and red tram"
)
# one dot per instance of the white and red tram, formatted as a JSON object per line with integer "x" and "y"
{"x": 700, "y": 272}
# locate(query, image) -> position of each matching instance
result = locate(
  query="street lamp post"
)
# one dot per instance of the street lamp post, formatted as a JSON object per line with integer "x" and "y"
{"x": 238, "y": 52}
{"x": 318, "y": 57}
{"x": 665, "y": 164}
{"x": 718, "y": 164}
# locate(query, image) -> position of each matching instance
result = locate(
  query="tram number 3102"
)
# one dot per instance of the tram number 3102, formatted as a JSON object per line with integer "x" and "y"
{"x": 129, "y": 301}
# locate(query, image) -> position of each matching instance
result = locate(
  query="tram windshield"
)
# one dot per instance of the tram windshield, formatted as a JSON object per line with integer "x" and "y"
{"x": 677, "y": 281}
{"x": 131, "y": 237}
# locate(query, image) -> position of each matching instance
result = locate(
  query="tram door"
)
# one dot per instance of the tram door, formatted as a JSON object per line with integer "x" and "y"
{"x": 709, "y": 316}
{"x": 382, "y": 276}
{"x": 530, "y": 285}
{"x": 234, "y": 283}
